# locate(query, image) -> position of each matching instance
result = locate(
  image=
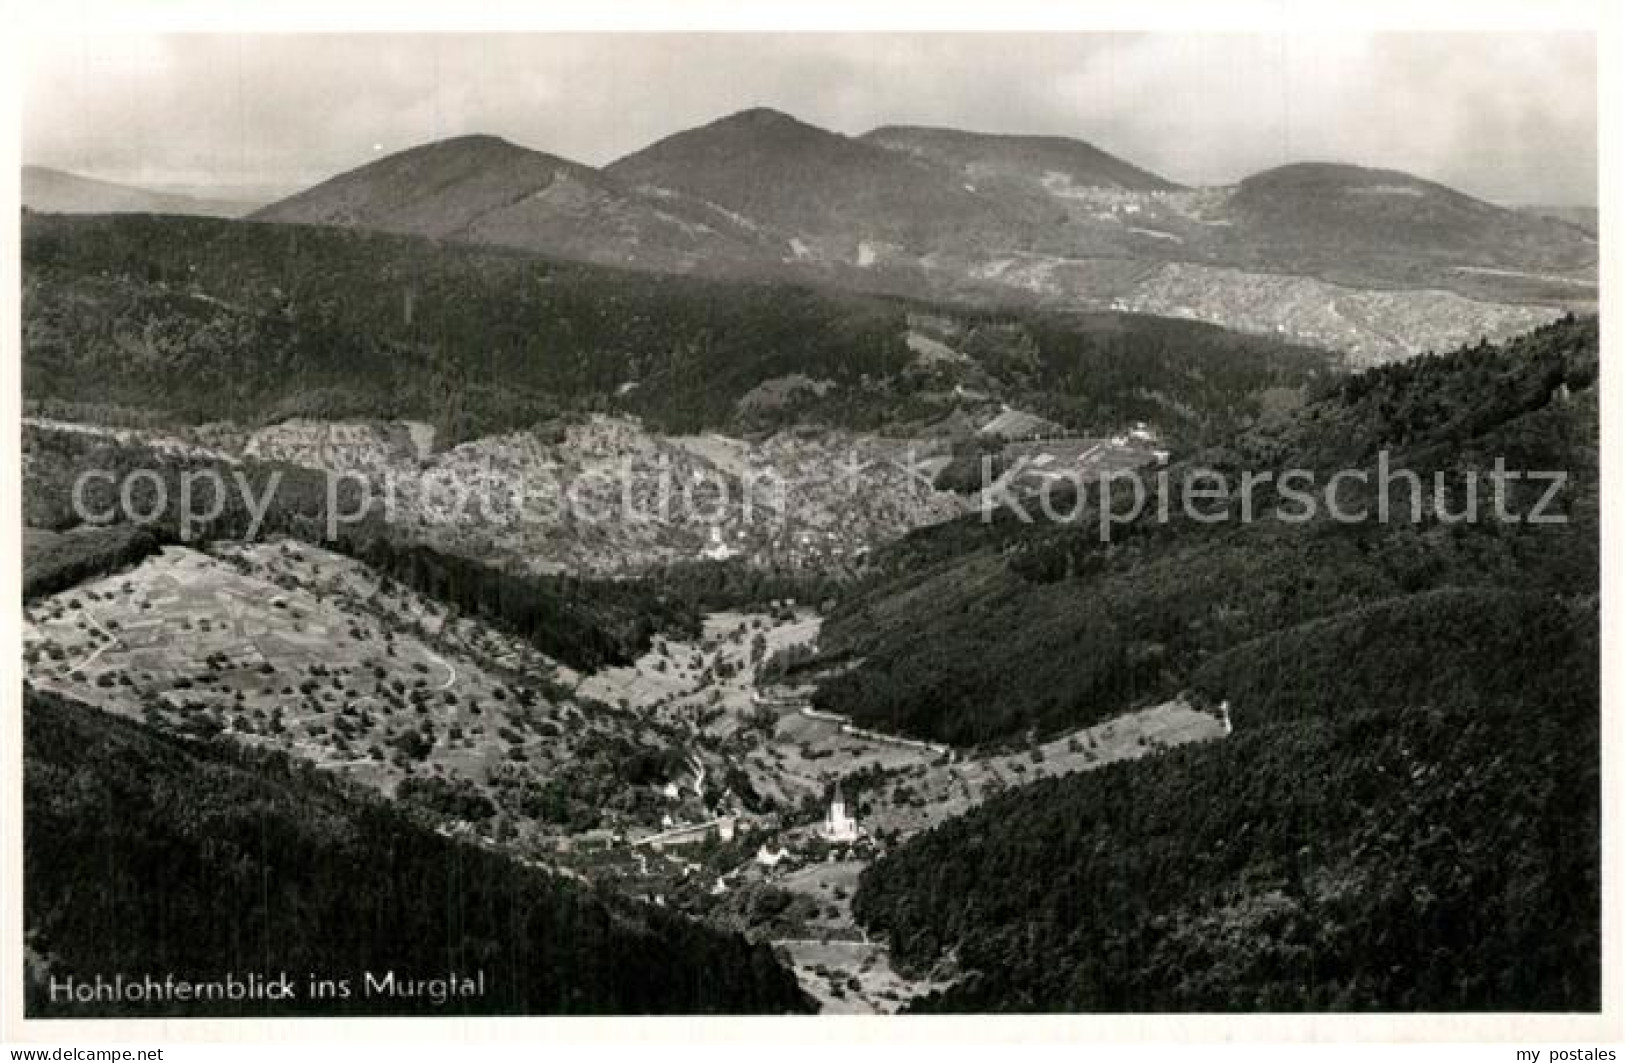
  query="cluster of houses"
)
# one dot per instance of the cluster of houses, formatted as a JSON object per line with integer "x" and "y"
{"x": 838, "y": 831}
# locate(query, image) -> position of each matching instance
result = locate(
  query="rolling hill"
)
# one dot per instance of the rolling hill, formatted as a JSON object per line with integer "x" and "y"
{"x": 1582, "y": 217}
{"x": 59, "y": 192}
{"x": 436, "y": 190}
{"x": 1316, "y": 215}
{"x": 483, "y": 189}
{"x": 1049, "y": 162}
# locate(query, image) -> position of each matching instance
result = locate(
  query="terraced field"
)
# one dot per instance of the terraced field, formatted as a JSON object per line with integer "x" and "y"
{"x": 285, "y": 645}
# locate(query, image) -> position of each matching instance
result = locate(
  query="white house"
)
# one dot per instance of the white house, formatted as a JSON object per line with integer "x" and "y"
{"x": 717, "y": 550}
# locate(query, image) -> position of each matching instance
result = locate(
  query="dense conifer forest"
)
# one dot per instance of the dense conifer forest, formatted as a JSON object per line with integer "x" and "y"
{"x": 190, "y": 320}
{"x": 1406, "y": 818}
{"x": 983, "y": 631}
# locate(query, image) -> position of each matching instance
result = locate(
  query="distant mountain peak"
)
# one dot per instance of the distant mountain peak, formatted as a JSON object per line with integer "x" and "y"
{"x": 805, "y": 181}
{"x": 761, "y": 116}
{"x": 61, "y": 192}
{"x": 976, "y": 216}
{"x": 1314, "y": 186}
{"x": 479, "y": 138}
{"x": 433, "y": 189}
{"x": 482, "y": 149}
{"x": 758, "y": 131}
{"x": 482, "y": 188}
{"x": 1325, "y": 174}
{"x": 1319, "y": 215}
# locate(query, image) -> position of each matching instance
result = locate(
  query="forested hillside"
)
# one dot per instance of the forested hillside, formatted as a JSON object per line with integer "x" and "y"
{"x": 149, "y": 853}
{"x": 1406, "y": 818}
{"x": 196, "y": 320}
{"x": 265, "y": 322}
{"x": 54, "y": 561}
{"x": 983, "y": 631}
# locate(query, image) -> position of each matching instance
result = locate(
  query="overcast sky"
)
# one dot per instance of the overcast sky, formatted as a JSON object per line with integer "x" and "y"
{"x": 1503, "y": 116}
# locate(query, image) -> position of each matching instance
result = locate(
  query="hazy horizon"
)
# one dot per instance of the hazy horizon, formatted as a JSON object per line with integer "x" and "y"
{"x": 1507, "y": 117}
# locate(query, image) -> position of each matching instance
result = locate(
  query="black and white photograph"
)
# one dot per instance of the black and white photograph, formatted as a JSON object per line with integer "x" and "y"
{"x": 525, "y": 523}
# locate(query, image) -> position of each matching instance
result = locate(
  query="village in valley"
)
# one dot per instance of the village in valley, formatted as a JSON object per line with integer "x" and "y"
{"x": 690, "y": 524}
{"x": 698, "y": 777}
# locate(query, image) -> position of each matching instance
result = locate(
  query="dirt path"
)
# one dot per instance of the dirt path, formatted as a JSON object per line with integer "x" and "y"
{"x": 451, "y": 672}
{"x": 112, "y": 641}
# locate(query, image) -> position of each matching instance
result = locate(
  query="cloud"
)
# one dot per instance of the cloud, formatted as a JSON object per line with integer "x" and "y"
{"x": 1507, "y": 116}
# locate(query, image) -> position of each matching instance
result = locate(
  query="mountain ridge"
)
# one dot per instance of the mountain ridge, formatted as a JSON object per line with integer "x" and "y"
{"x": 1379, "y": 263}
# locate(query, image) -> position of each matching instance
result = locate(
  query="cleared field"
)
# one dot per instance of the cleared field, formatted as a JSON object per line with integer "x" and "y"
{"x": 1089, "y": 458}
{"x": 708, "y": 689}
{"x": 919, "y": 799}
{"x": 706, "y": 683}
{"x": 831, "y": 885}
{"x": 850, "y": 977}
{"x": 285, "y": 645}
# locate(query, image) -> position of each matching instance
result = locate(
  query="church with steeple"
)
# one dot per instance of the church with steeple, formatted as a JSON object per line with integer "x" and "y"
{"x": 838, "y": 825}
